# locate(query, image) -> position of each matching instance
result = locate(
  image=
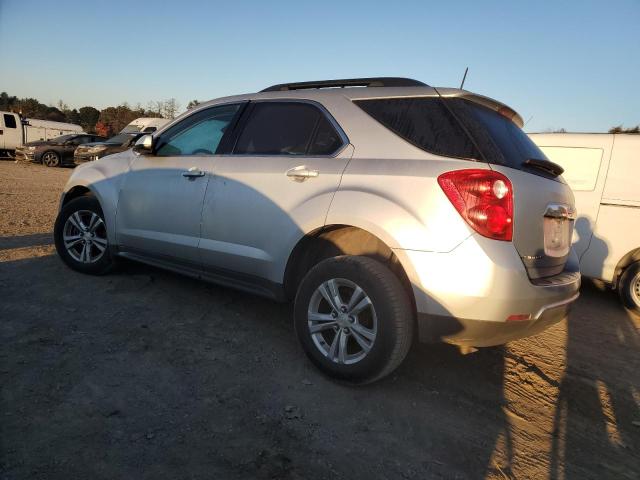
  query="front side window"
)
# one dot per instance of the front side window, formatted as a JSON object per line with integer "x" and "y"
{"x": 10, "y": 121}
{"x": 198, "y": 134}
{"x": 287, "y": 128}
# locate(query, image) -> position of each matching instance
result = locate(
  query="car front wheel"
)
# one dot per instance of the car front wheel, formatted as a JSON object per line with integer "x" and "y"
{"x": 80, "y": 235}
{"x": 353, "y": 318}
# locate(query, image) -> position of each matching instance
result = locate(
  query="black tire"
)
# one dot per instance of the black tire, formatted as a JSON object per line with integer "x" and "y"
{"x": 629, "y": 288}
{"x": 105, "y": 262}
{"x": 50, "y": 159}
{"x": 392, "y": 309}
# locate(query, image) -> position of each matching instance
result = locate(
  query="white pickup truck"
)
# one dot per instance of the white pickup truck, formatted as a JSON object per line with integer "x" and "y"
{"x": 16, "y": 131}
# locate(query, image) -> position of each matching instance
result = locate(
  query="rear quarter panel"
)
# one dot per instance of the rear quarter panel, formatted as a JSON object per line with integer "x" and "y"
{"x": 401, "y": 202}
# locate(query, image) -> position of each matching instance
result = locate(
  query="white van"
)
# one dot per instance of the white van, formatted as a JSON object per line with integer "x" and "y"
{"x": 604, "y": 172}
{"x": 145, "y": 124}
{"x": 16, "y": 131}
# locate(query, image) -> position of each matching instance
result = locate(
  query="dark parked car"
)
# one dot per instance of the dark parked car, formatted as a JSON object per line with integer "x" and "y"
{"x": 95, "y": 150}
{"x": 55, "y": 152}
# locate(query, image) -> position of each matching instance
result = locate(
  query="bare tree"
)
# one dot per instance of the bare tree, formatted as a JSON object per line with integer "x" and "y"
{"x": 170, "y": 108}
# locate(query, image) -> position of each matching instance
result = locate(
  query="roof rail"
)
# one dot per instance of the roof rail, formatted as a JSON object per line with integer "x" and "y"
{"x": 348, "y": 82}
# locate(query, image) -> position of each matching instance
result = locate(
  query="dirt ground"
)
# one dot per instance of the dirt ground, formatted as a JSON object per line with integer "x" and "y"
{"x": 147, "y": 374}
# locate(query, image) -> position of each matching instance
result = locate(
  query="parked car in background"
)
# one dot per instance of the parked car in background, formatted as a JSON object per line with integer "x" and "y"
{"x": 389, "y": 211}
{"x": 603, "y": 171}
{"x": 56, "y": 152}
{"x": 16, "y": 131}
{"x": 145, "y": 125}
{"x": 95, "y": 150}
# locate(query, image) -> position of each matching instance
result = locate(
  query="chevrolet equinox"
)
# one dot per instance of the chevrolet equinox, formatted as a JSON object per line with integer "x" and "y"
{"x": 386, "y": 209}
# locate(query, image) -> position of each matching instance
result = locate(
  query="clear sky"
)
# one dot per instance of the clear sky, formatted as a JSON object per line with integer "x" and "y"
{"x": 569, "y": 64}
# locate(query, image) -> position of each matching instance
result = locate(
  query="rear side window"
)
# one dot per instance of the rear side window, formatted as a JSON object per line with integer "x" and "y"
{"x": 455, "y": 127}
{"x": 287, "y": 128}
{"x": 10, "y": 121}
{"x": 423, "y": 122}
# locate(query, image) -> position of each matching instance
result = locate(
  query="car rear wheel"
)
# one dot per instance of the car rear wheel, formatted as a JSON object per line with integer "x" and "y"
{"x": 50, "y": 159}
{"x": 353, "y": 318}
{"x": 80, "y": 235}
{"x": 629, "y": 287}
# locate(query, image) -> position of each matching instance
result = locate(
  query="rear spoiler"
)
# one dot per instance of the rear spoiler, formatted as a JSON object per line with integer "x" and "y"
{"x": 501, "y": 108}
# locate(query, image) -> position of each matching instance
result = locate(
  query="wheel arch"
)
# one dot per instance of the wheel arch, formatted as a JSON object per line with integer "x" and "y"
{"x": 338, "y": 239}
{"x": 75, "y": 192}
{"x": 628, "y": 259}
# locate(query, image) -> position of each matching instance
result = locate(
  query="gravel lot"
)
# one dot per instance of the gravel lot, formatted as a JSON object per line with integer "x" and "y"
{"x": 146, "y": 374}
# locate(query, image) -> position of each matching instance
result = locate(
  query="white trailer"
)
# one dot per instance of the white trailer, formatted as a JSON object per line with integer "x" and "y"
{"x": 16, "y": 131}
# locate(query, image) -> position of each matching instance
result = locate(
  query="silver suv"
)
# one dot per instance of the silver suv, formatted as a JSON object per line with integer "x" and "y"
{"x": 389, "y": 210}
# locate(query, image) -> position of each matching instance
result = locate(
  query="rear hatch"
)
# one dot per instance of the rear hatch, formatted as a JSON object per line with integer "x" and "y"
{"x": 480, "y": 129}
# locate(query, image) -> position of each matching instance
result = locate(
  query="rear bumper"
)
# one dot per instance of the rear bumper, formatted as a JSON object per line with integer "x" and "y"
{"x": 471, "y": 295}
{"x": 482, "y": 333}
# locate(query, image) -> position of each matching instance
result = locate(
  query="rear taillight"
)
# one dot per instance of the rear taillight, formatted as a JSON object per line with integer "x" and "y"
{"x": 484, "y": 198}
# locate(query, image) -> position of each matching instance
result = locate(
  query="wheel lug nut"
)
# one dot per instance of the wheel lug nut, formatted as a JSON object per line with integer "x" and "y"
{"x": 334, "y": 314}
{"x": 345, "y": 330}
{"x": 343, "y": 309}
{"x": 352, "y": 318}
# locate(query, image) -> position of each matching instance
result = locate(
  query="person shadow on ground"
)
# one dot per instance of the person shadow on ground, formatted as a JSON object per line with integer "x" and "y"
{"x": 594, "y": 434}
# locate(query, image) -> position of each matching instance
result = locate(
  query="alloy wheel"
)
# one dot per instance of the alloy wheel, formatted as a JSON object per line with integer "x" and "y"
{"x": 342, "y": 321}
{"x": 85, "y": 236}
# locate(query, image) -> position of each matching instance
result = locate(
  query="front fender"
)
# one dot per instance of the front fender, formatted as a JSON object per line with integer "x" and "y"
{"x": 103, "y": 178}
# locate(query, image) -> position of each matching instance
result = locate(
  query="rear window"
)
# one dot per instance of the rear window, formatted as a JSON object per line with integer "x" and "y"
{"x": 287, "y": 128}
{"x": 460, "y": 129}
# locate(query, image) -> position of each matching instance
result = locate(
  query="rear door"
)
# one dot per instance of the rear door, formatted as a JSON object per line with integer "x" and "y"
{"x": 160, "y": 202}
{"x": 275, "y": 186}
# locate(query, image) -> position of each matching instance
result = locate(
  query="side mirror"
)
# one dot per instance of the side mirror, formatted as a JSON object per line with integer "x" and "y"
{"x": 144, "y": 145}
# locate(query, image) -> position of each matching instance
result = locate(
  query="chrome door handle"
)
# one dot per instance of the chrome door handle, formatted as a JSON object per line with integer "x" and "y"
{"x": 193, "y": 172}
{"x": 301, "y": 173}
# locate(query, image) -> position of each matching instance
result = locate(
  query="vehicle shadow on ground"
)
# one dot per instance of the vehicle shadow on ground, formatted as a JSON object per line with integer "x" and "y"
{"x": 596, "y": 430}
{"x": 24, "y": 241}
{"x": 148, "y": 374}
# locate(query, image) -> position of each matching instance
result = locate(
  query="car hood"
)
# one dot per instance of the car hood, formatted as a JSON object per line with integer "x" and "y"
{"x": 37, "y": 143}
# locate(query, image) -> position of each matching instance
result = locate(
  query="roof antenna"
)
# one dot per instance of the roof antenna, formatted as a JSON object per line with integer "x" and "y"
{"x": 464, "y": 78}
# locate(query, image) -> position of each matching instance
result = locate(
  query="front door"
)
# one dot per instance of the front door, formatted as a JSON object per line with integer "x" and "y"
{"x": 160, "y": 203}
{"x": 276, "y": 185}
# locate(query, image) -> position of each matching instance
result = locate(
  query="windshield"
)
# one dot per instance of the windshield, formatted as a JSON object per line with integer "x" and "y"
{"x": 120, "y": 139}
{"x": 62, "y": 138}
{"x": 131, "y": 129}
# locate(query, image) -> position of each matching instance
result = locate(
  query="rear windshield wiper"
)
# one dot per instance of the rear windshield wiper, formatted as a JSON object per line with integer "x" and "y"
{"x": 545, "y": 165}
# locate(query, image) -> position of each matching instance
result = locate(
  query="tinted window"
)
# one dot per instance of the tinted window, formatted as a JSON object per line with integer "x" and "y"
{"x": 460, "y": 128}
{"x": 287, "y": 129}
{"x": 198, "y": 134}
{"x": 424, "y": 122}
{"x": 501, "y": 140}
{"x": 326, "y": 139}
{"x": 9, "y": 121}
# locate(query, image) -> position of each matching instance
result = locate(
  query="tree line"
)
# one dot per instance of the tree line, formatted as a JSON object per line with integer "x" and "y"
{"x": 105, "y": 122}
